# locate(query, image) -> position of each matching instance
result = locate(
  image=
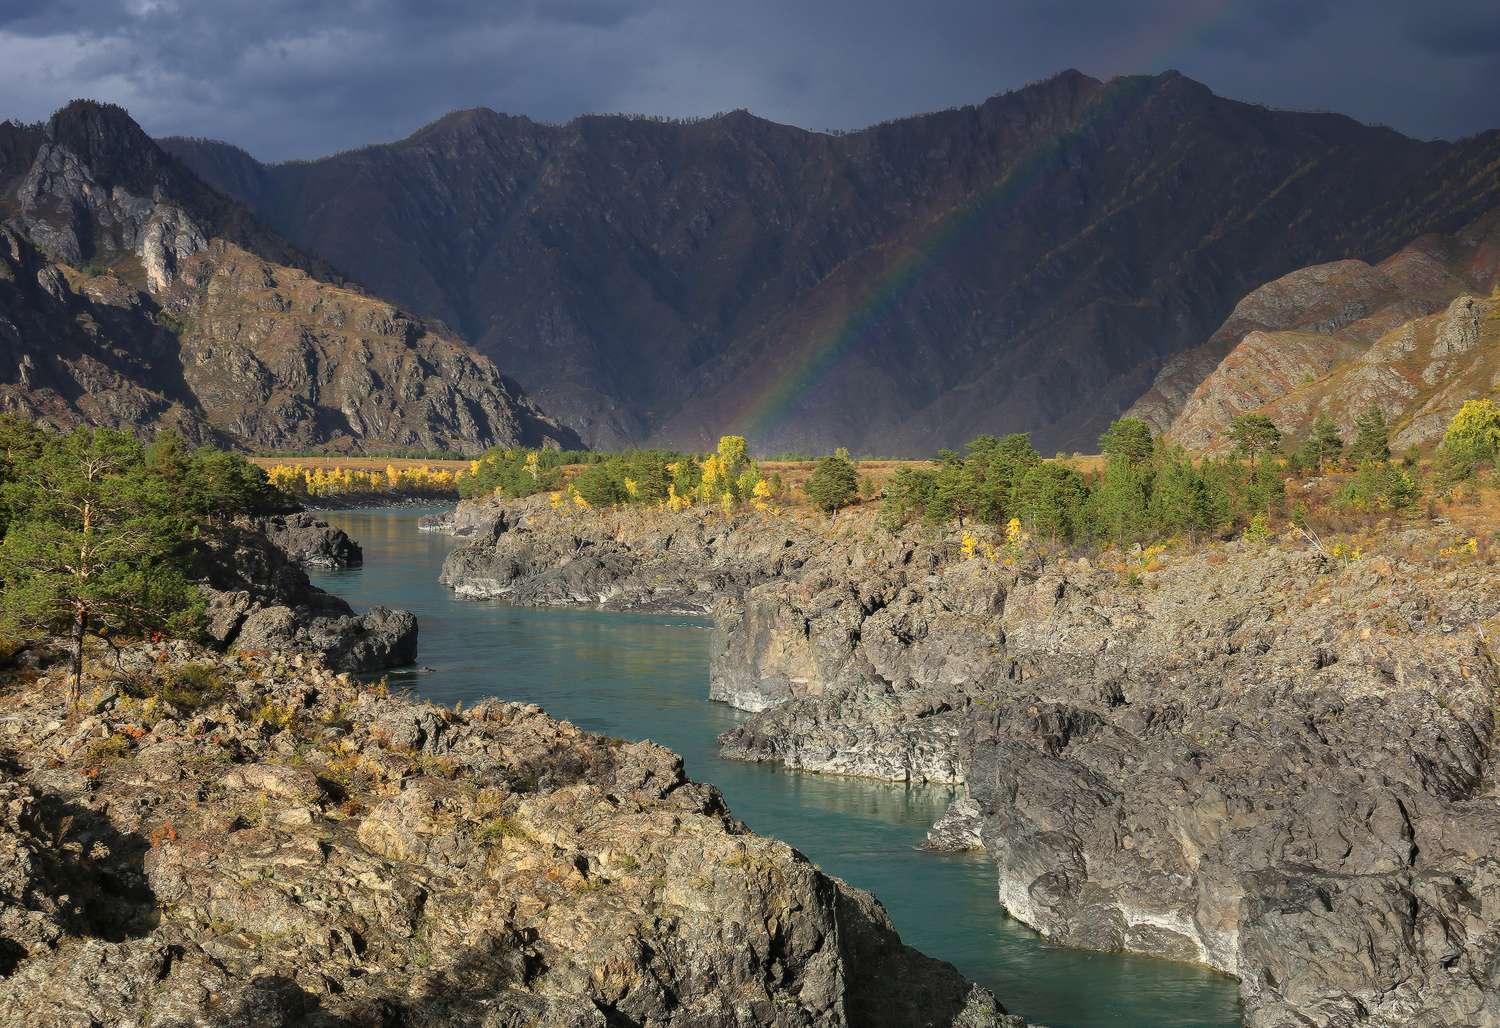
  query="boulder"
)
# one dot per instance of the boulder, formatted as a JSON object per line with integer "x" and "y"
{"x": 312, "y": 542}
{"x": 260, "y": 599}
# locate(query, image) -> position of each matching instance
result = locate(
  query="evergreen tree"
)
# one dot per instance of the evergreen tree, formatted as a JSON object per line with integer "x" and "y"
{"x": 832, "y": 484}
{"x": 687, "y": 476}
{"x": 1325, "y": 445}
{"x": 98, "y": 546}
{"x": 648, "y": 470}
{"x": 1254, "y": 434}
{"x": 1451, "y": 465}
{"x": 1129, "y": 438}
{"x": 602, "y": 485}
{"x": 1179, "y": 496}
{"x": 1222, "y": 479}
{"x": 1371, "y": 440}
{"x": 1121, "y": 499}
{"x": 911, "y": 492}
{"x": 220, "y": 485}
{"x": 1265, "y": 490}
{"x": 1054, "y": 500}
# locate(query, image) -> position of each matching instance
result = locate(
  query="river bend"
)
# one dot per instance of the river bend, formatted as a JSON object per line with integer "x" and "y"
{"x": 646, "y": 677}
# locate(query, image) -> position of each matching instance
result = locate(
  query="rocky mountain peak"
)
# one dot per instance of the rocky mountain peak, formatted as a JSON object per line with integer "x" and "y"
{"x": 118, "y": 153}
{"x": 135, "y": 296}
{"x": 81, "y": 214}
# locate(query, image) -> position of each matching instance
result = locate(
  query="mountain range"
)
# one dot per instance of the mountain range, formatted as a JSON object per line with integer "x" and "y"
{"x": 1044, "y": 261}
{"x": 1416, "y": 335}
{"x": 135, "y": 296}
{"x": 1034, "y": 263}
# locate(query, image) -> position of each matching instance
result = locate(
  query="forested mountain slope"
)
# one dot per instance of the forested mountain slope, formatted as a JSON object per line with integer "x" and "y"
{"x": 1028, "y": 263}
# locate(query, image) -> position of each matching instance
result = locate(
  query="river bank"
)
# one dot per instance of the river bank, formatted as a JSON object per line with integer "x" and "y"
{"x": 256, "y": 840}
{"x": 1271, "y": 760}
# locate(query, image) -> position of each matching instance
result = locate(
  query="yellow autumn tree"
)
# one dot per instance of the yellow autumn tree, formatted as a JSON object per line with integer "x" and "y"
{"x": 714, "y": 475}
{"x": 733, "y": 453}
{"x": 1476, "y": 425}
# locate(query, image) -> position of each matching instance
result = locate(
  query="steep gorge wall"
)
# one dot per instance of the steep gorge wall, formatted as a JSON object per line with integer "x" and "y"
{"x": 1261, "y": 758}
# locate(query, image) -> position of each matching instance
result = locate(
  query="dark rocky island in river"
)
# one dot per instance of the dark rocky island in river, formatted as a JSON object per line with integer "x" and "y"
{"x": 1264, "y": 758}
{"x": 260, "y": 599}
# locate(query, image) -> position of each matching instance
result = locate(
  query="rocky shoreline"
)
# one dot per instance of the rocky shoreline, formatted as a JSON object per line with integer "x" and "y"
{"x": 375, "y": 501}
{"x": 260, "y": 599}
{"x": 1263, "y": 758}
{"x": 254, "y": 840}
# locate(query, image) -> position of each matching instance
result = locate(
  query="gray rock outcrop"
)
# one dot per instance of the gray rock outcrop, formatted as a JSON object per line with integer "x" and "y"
{"x": 62, "y": 205}
{"x": 260, "y": 600}
{"x": 312, "y": 542}
{"x": 294, "y": 851}
{"x": 1266, "y": 759}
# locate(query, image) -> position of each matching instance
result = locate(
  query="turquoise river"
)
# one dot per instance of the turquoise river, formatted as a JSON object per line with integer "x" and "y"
{"x": 646, "y": 677}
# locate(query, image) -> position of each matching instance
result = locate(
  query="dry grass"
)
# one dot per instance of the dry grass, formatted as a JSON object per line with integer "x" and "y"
{"x": 360, "y": 463}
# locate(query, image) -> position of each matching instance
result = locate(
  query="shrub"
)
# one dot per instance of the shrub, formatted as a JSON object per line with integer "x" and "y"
{"x": 1379, "y": 487}
{"x": 832, "y": 484}
{"x": 116, "y": 747}
{"x": 192, "y": 686}
{"x": 502, "y": 827}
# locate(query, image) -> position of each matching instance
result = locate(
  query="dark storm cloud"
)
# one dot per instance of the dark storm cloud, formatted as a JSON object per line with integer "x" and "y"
{"x": 291, "y": 78}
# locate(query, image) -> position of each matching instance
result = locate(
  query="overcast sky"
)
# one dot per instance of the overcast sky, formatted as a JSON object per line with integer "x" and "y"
{"x": 303, "y": 78}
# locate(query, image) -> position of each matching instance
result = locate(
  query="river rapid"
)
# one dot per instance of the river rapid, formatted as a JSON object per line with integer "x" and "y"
{"x": 646, "y": 677}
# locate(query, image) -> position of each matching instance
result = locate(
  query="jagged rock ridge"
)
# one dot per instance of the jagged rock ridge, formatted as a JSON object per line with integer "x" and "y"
{"x": 1029, "y": 263}
{"x": 133, "y": 296}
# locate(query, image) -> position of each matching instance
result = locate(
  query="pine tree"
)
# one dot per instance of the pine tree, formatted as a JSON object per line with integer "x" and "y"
{"x": 1325, "y": 445}
{"x": 99, "y": 546}
{"x": 1372, "y": 439}
{"x": 1254, "y": 434}
{"x": 1053, "y": 499}
{"x": 832, "y": 484}
{"x": 1130, "y": 438}
{"x": 1175, "y": 503}
{"x": 686, "y": 476}
{"x": 1121, "y": 499}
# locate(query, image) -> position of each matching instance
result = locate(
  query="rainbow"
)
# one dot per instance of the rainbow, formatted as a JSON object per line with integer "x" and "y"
{"x": 854, "y": 316}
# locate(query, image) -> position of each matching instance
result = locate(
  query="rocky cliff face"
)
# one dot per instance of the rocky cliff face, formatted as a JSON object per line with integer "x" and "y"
{"x": 1261, "y": 758}
{"x": 1026, "y": 264}
{"x": 260, "y": 600}
{"x": 291, "y": 850}
{"x": 133, "y": 296}
{"x": 312, "y": 542}
{"x": 1413, "y": 335}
